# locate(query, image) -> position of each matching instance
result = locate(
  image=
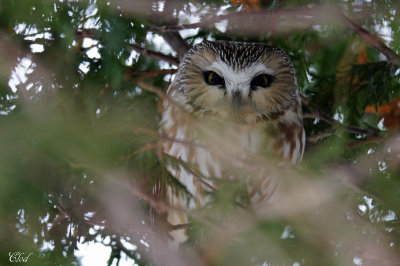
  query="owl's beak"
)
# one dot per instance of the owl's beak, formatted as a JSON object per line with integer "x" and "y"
{"x": 237, "y": 100}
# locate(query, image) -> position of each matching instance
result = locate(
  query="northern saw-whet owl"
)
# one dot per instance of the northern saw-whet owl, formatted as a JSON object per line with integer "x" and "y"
{"x": 229, "y": 103}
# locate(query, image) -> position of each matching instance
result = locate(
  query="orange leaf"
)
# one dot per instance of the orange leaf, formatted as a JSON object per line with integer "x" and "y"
{"x": 247, "y": 4}
{"x": 362, "y": 57}
{"x": 389, "y": 112}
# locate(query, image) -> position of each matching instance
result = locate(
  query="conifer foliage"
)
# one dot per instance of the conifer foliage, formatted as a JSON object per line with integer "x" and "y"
{"x": 81, "y": 158}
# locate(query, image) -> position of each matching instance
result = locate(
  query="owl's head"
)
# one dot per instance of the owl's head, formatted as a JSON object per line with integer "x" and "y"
{"x": 250, "y": 80}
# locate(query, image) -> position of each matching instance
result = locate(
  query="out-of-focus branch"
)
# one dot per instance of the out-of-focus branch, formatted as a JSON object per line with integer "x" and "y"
{"x": 372, "y": 40}
{"x": 269, "y": 15}
{"x": 306, "y": 13}
{"x": 156, "y": 55}
{"x": 178, "y": 226}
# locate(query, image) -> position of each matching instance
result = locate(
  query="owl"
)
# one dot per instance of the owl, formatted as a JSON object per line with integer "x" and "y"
{"x": 229, "y": 104}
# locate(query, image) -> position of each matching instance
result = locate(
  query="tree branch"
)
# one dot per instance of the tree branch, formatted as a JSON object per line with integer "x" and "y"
{"x": 391, "y": 56}
{"x": 175, "y": 40}
{"x": 215, "y": 19}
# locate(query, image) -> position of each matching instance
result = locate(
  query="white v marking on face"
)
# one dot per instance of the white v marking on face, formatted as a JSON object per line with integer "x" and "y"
{"x": 239, "y": 79}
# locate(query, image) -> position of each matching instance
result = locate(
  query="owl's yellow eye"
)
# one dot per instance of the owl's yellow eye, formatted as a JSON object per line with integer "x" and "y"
{"x": 263, "y": 81}
{"x": 213, "y": 78}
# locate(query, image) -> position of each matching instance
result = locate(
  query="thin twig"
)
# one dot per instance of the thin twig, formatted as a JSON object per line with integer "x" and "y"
{"x": 318, "y": 114}
{"x": 149, "y": 87}
{"x": 156, "y": 55}
{"x": 156, "y": 204}
{"x": 365, "y": 141}
{"x": 83, "y": 33}
{"x": 146, "y": 147}
{"x": 144, "y": 74}
{"x": 166, "y": 138}
{"x": 57, "y": 221}
{"x": 182, "y": 162}
{"x": 67, "y": 215}
{"x": 316, "y": 138}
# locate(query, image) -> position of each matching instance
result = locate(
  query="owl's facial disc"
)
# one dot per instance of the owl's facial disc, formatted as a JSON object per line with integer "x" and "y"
{"x": 249, "y": 80}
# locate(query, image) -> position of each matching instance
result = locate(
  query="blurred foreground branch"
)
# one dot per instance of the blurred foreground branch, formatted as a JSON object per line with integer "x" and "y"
{"x": 305, "y": 14}
{"x": 266, "y": 14}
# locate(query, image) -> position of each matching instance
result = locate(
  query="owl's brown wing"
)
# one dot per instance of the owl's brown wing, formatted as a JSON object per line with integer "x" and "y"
{"x": 176, "y": 124}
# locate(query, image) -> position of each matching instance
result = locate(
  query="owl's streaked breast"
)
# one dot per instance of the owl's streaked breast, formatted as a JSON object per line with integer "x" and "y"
{"x": 286, "y": 139}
